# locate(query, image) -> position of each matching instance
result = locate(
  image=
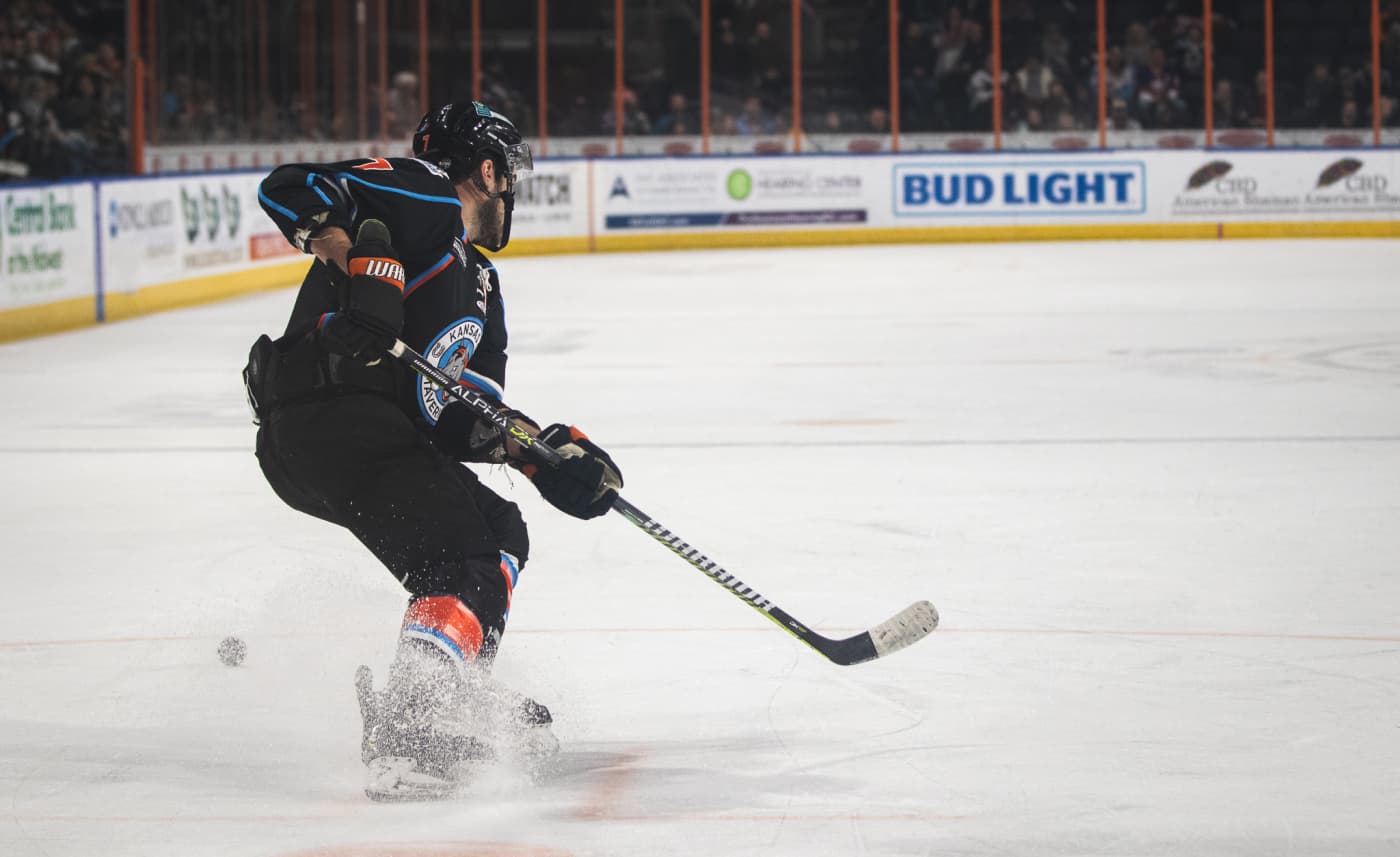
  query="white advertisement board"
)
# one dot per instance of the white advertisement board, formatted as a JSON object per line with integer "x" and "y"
{"x": 658, "y": 195}
{"x": 552, "y": 201}
{"x": 742, "y": 194}
{"x": 1263, "y": 186}
{"x": 46, "y": 244}
{"x": 168, "y": 229}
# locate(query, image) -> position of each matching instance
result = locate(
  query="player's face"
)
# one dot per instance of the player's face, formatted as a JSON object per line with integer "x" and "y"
{"x": 491, "y": 213}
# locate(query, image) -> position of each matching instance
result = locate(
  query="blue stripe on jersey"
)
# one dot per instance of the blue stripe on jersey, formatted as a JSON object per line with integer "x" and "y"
{"x": 428, "y": 274}
{"x": 280, "y": 209}
{"x": 446, "y": 200}
{"x": 482, "y": 384}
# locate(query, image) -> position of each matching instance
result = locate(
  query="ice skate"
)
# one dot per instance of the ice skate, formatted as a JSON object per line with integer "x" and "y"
{"x": 411, "y": 751}
{"x": 429, "y": 736}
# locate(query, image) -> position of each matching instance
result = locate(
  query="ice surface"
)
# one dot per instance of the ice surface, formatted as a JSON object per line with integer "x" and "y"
{"x": 1152, "y": 488}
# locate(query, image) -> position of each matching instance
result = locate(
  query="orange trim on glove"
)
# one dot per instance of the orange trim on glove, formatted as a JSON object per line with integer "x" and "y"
{"x": 388, "y": 270}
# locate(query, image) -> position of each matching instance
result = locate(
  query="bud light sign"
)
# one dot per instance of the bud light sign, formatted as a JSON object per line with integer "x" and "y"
{"x": 1020, "y": 188}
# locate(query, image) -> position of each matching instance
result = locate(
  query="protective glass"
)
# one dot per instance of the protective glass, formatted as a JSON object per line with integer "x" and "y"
{"x": 519, "y": 161}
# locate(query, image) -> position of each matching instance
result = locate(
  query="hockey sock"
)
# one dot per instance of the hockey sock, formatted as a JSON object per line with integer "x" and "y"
{"x": 446, "y": 624}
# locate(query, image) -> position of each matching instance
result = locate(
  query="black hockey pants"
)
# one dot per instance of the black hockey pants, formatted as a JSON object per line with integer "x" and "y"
{"x": 355, "y": 459}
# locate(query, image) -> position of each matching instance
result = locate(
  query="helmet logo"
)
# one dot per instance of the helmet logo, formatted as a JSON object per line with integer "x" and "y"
{"x": 481, "y": 109}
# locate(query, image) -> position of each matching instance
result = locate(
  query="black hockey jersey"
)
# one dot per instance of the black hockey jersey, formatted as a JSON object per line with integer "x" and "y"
{"x": 453, "y": 312}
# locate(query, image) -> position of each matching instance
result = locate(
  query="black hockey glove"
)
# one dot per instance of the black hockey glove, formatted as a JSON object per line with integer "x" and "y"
{"x": 371, "y": 297}
{"x": 585, "y": 483}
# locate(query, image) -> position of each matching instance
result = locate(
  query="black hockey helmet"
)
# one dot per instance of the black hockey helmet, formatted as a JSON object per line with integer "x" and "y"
{"x": 458, "y": 137}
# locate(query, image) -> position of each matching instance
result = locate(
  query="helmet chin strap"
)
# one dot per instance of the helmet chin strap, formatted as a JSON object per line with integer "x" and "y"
{"x": 508, "y": 198}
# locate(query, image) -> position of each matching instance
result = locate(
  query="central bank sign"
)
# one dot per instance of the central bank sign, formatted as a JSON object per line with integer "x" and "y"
{"x": 995, "y": 188}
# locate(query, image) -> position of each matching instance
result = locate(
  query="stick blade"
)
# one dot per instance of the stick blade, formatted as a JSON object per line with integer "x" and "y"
{"x": 905, "y": 628}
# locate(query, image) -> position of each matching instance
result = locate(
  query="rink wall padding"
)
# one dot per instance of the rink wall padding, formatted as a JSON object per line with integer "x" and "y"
{"x": 82, "y": 253}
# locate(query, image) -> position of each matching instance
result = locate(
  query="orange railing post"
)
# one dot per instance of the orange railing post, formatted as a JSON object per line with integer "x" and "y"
{"x": 383, "y": 16}
{"x": 541, "y": 71}
{"x": 137, "y": 131}
{"x": 1269, "y": 71}
{"x": 705, "y": 76}
{"x": 996, "y": 74}
{"x": 423, "y": 54}
{"x": 797, "y": 75}
{"x": 476, "y": 50}
{"x": 306, "y": 51}
{"x": 619, "y": 33}
{"x": 361, "y": 71}
{"x": 340, "y": 73}
{"x": 1101, "y": 63}
{"x": 894, "y": 75}
{"x": 135, "y": 89}
{"x": 1376, "y": 71}
{"x": 1209, "y": 76}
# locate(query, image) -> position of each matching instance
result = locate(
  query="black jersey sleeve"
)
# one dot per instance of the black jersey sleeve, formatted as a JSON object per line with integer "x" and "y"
{"x": 408, "y": 194}
{"x": 303, "y": 199}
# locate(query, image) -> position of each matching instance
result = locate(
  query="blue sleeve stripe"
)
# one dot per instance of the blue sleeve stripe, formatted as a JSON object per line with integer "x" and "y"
{"x": 428, "y": 274}
{"x": 481, "y": 384}
{"x": 446, "y": 200}
{"x": 322, "y": 195}
{"x": 280, "y": 209}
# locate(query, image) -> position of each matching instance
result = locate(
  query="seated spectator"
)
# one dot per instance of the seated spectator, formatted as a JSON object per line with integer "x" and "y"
{"x": 634, "y": 119}
{"x": 1119, "y": 74}
{"x": 1321, "y": 93}
{"x": 1350, "y": 115}
{"x": 678, "y": 118}
{"x": 922, "y": 110}
{"x": 404, "y": 105}
{"x": 1119, "y": 119}
{"x": 754, "y": 119}
{"x": 980, "y": 94}
{"x": 1253, "y": 102}
{"x": 1159, "y": 93}
{"x": 877, "y": 121}
{"x": 1229, "y": 112}
{"x": 1054, "y": 47}
{"x": 1137, "y": 45}
{"x": 1036, "y": 80}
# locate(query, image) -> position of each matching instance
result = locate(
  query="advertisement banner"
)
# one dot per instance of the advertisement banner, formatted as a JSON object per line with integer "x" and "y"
{"x": 46, "y": 245}
{"x": 552, "y": 201}
{"x": 1027, "y": 188}
{"x": 1263, "y": 186}
{"x": 170, "y": 229}
{"x": 731, "y": 194}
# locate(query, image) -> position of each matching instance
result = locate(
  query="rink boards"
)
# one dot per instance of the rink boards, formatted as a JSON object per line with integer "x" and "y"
{"x": 79, "y": 253}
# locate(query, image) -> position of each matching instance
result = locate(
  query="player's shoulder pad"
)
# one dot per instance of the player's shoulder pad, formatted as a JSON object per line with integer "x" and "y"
{"x": 420, "y": 176}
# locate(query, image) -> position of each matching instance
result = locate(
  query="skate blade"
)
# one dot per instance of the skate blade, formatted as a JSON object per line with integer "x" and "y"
{"x": 393, "y": 778}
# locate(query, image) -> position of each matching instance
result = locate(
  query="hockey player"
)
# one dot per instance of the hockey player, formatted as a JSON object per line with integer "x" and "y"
{"x": 351, "y": 436}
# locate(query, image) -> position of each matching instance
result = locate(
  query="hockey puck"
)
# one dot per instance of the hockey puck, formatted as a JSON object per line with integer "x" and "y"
{"x": 232, "y": 651}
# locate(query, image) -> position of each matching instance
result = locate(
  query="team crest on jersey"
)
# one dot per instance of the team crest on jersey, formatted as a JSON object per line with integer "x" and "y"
{"x": 432, "y": 168}
{"x": 450, "y": 353}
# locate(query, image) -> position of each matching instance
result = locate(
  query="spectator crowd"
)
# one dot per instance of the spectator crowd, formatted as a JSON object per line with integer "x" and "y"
{"x": 62, "y": 67}
{"x": 62, "y": 102}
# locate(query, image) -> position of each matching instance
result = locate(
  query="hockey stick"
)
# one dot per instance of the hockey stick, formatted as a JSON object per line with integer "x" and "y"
{"x": 906, "y": 627}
